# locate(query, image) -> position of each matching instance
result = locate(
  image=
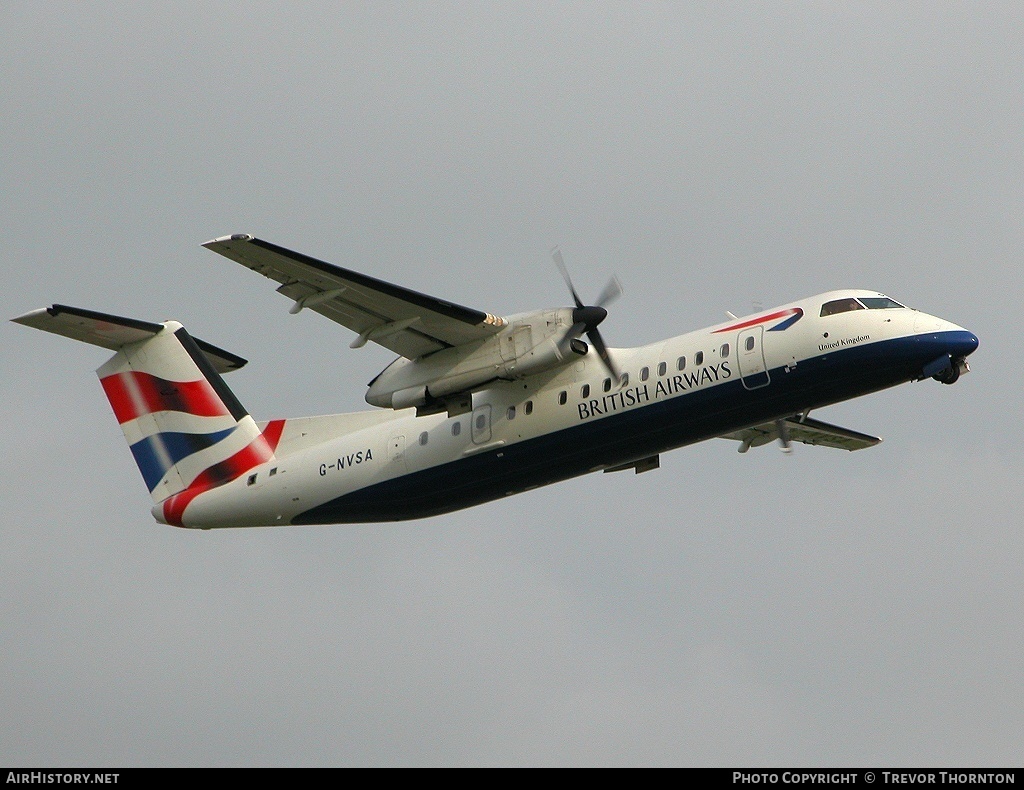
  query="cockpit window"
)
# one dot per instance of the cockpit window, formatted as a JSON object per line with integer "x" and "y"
{"x": 840, "y": 306}
{"x": 879, "y": 302}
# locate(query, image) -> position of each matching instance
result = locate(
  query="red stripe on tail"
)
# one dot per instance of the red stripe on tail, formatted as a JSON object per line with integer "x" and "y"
{"x": 134, "y": 394}
{"x": 272, "y": 433}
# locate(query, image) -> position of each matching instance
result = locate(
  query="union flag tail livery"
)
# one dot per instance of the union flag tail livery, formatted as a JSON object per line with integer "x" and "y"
{"x": 186, "y": 430}
{"x": 479, "y": 406}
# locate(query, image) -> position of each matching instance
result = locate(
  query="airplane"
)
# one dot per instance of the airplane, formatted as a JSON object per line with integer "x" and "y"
{"x": 476, "y": 406}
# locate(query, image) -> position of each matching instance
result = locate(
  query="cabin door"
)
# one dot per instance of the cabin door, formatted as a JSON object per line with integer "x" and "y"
{"x": 750, "y": 357}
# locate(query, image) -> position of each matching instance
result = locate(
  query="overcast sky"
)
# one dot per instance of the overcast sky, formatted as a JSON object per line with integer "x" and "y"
{"x": 825, "y": 608}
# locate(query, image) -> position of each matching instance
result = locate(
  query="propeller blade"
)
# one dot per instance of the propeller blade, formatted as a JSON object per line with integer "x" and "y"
{"x": 557, "y": 255}
{"x": 576, "y": 330}
{"x": 611, "y": 292}
{"x": 783, "y": 430}
{"x": 594, "y": 336}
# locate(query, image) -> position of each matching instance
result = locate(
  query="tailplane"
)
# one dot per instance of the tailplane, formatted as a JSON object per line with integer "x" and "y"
{"x": 186, "y": 429}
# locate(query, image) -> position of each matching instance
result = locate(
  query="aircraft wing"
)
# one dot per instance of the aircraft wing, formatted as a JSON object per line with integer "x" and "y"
{"x": 807, "y": 431}
{"x": 407, "y": 322}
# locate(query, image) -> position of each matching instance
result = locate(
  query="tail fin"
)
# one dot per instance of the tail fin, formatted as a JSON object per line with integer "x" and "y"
{"x": 186, "y": 429}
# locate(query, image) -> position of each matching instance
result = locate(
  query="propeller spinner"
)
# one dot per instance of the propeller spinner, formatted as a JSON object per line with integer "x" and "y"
{"x": 586, "y": 318}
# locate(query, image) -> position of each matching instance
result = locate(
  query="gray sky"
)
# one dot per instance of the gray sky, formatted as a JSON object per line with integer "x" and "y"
{"x": 824, "y": 608}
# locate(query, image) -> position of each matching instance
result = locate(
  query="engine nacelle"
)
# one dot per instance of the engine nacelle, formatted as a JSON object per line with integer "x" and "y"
{"x": 549, "y": 353}
{"x": 407, "y": 398}
{"x": 531, "y": 343}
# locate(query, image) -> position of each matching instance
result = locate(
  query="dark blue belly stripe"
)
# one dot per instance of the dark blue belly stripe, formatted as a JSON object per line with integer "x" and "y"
{"x": 634, "y": 434}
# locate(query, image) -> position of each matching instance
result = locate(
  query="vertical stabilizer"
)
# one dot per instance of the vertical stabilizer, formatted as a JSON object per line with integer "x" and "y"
{"x": 184, "y": 426}
{"x": 186, "y": 430}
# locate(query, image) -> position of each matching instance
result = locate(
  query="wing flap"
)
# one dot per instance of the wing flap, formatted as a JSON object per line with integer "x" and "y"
{"x": 806, "y": 431}
{"x": 407, "y": 322}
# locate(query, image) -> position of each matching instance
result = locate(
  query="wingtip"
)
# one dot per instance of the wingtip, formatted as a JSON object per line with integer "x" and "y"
{"x": 232, "y": 237}
{"x": 28, "y": 318}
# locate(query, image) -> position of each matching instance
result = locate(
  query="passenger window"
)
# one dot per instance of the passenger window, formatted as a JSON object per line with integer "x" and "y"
{"x": 423, "y": 438}
{"x": 251, "y": 480}
{"x": 681, "y": 363}
{"x": 645, "y": 373}
{"x": 840, "y": 306}
{"x": 511, "y": 413}
{"x": 528, "y": 408}
{"x": 698, "y": 358}
{"x": 562, "y": 398}
{"x": 724, "y": 351}
{"x": 456, "y": 428}
{"x": 625, "y": 380}
{"x": 585, "y": 391}
{"x": 481, "y": 422}
{"x": 662, "y": 367}
{"x": 748, "y": 344}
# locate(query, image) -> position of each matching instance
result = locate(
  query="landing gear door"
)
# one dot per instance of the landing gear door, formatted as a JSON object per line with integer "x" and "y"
{"x": 750, "y": 356}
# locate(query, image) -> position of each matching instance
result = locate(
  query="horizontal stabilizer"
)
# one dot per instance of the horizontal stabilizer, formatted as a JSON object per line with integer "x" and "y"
{"x": 806, "y": 431}
{"x": 113, "y": 332}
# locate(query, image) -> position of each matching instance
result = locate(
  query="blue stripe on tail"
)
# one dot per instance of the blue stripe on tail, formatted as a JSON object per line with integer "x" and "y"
{"x": 157, "y": 453}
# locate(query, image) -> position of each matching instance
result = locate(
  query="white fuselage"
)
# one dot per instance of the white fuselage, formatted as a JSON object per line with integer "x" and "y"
{"x": 382, "y": 465}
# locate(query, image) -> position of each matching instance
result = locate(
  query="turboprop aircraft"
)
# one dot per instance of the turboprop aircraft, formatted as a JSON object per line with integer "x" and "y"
{"x": 477, "y": 406}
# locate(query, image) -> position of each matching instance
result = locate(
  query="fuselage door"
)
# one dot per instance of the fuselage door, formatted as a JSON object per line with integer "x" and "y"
{"x": 396, "y": 452}
{"x": 482, "y": 424}
{"x": 750, "y": 356}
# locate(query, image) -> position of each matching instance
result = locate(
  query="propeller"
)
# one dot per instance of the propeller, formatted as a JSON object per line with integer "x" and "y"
{"x": 585, "y": 318}
{"x": 783, "y": 430}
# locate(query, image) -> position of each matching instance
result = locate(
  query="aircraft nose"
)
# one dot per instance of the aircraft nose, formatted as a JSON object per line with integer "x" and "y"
{"x": 963, "y": 343}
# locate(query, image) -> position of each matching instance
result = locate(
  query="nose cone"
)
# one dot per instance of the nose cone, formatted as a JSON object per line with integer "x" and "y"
{"x": 950, "y": 341}
{"x": 962, "y": 343}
